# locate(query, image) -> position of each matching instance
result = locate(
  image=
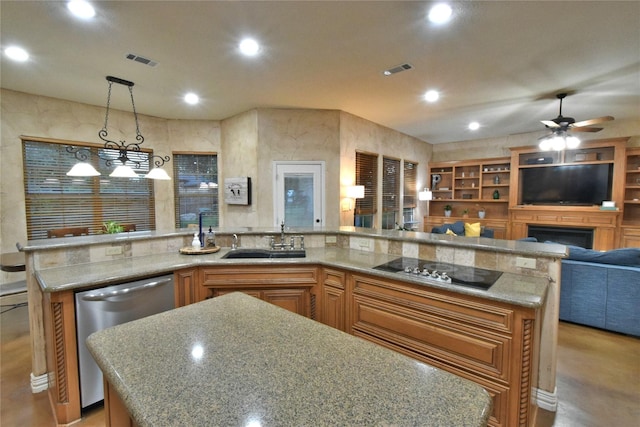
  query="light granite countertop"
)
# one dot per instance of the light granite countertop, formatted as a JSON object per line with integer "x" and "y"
{"x": 236, "y": 361}
{"x": 525, "y": 291}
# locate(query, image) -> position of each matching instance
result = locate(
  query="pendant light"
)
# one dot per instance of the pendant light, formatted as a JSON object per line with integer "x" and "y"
{"x": 125, "y": 150}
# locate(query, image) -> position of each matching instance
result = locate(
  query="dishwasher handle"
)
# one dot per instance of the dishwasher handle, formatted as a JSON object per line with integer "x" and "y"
{"x": 102, "y": 296}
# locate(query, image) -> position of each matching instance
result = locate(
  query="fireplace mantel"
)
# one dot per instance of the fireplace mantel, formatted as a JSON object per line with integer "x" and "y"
{"x": 603, "y": 222}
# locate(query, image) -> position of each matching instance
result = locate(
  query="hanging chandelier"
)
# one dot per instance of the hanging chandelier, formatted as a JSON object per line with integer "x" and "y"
{"x": 126, "y": 151}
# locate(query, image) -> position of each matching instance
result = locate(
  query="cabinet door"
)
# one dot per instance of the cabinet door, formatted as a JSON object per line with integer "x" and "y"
{"x": 333, "y": 304}
{"x": 294, "y": 300}
{"x": 187, "y": 287}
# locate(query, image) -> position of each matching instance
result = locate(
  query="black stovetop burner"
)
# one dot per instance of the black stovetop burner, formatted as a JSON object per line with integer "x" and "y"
{"x": 460, "y": 275}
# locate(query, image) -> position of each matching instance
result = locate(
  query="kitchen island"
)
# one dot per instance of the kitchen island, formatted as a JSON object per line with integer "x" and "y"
{"x": 502, "y": 338}
{"x": 235, "y": 360}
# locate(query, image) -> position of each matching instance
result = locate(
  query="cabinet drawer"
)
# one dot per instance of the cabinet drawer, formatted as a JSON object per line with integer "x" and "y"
{"x": 437, "y": 338}
{"x": 470, "y": 312}
{"x": 257, "y": 276}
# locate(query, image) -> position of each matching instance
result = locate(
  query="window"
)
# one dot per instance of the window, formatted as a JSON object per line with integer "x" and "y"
{"x": 196, "y": 189}
{"x": 367, "y": 175}
{"x": 390, "y": 192}
{"x": 409, "y": 191}
{"x": 55, "y": 200}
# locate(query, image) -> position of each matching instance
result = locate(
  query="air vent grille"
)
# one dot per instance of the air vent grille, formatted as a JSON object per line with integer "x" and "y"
{"x": 141, "y": 59}
{"x": 397, "y": 69}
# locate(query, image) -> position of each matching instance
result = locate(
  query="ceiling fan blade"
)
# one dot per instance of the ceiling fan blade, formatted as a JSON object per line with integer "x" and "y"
{"x": 585, "y": 129}
{"x": 550, "y": 124}
{"x": 592, "y": 121}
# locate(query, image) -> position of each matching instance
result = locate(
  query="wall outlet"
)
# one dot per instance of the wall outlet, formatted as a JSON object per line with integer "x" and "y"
{"x": 525, "y": 262}
{"x": 114, "y": 250}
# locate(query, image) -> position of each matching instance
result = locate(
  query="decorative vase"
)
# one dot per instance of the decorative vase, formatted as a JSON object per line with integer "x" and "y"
{"x": 447, "y": 214}
{"x": 496, "y": 179}
{"x": 481, "y": 214}
{"x": 496, "y": 194}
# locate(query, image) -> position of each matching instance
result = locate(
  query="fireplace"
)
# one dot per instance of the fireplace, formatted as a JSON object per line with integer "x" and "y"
{"x": 582, "y": 237}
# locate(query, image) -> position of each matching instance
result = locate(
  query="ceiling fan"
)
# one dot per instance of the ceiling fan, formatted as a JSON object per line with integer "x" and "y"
{"x": 560, "y": 139}
{"x": 569, "y": 123}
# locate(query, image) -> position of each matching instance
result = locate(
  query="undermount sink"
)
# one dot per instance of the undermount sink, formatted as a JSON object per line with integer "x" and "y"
{"x": 265, "y": 253}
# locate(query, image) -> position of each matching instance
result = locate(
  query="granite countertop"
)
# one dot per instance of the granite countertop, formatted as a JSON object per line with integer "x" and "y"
{"x": 526, "y": 291}
{"x": 235, "y": 360}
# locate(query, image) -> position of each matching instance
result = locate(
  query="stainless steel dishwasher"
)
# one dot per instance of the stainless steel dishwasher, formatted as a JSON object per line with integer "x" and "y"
{"x": 102, "y": 308}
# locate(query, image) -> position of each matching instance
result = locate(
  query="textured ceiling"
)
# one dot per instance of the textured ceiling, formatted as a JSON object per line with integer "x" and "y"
{"x": 497, "y": 62}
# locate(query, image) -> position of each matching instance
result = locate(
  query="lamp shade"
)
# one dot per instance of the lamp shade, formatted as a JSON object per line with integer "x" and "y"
{"x": 123, "y": 171}
{"x": 83, "y": 169}
{"x": 355, "y": 192}
{"x": 158, "y": 173}
{"x": 425, "y": 195}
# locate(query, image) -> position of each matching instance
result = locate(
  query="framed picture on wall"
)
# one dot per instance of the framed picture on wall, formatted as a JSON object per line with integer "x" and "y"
{"x": 237, "y": 191}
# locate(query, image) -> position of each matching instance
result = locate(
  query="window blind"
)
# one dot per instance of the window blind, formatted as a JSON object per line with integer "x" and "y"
{"x": 390, "y": 185}
{"x": 410, "y": 187}
{"x": 55, "y": 200}
{"x": 196, "y": 189}
{"x": 367, "y": 175}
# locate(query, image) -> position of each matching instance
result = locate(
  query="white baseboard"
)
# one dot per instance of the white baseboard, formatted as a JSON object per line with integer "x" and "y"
{"x": 546, "y": 400}
{"x": 39, "y": 383}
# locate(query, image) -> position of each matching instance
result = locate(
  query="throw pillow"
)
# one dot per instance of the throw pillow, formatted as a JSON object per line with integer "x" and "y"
{"x": 450, "y": 232}
{"x": 472, "y": 230}
{"x": 458, "y": 228}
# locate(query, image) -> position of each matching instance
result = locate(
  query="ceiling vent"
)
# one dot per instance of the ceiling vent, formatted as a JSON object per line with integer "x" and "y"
{"x": 141, "y": 59}
{"x": 397, "y": 69}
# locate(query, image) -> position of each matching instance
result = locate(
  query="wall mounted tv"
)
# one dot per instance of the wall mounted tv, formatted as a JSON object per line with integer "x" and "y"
{"x": 574, "y": 185}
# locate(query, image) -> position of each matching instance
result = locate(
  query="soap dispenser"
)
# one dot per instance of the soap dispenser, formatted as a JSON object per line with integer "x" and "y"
{"x": 211, "y": 239}
{"x": 196, "y": 242}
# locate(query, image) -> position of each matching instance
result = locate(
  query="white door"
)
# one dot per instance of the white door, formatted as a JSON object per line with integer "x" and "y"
{"x": 299, "y": 194}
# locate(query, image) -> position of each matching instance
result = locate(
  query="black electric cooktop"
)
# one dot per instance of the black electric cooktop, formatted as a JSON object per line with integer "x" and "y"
{"x": 432, "y": 270}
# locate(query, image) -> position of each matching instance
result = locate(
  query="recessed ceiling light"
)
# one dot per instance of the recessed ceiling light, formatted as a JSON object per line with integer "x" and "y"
{"x": 191, "y": 98}
{"x": 440, "y": 13}
{"x": 431, "y": 95}
{"x": 16, "y": 53}
{"x": 474, "y": 126}
{"x": 81, "y": 9}
{"x": 249, "y": 47}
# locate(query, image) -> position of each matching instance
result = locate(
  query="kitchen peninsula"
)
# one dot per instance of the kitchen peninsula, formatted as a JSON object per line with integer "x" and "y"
{"x": 502, "y": 338}
{"x": 235, "y": 360}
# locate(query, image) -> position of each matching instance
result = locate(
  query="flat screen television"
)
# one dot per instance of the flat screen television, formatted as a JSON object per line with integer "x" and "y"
{"x": 575, "y": 185}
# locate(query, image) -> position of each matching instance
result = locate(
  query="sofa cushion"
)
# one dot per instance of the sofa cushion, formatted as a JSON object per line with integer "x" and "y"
{"x": 472, "y": 230}
{"x": 624, "y": 256}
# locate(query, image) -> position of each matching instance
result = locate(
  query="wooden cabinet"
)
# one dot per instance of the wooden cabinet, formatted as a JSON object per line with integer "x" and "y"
{"x": 630, "y": 231}
{"x": 470, "y": 186}
{"x": 487, "y": 342}
{"x": 286, "y": 286}
{"x": 604, "y": 223}
{"x": 333, "y": 299}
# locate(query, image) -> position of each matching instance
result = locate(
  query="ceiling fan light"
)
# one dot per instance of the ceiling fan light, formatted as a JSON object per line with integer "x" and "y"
{"x": 123, "y": 171}
{"x": 83, "y": 169}
{"x": 558, "y": 143}
{"x": 572, "y": 142}
{"x": 545, "y": 144}
{"x": 158, "y": 173}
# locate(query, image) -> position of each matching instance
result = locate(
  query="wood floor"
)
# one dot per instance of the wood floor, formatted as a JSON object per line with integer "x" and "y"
{"x": 598, "y": 379}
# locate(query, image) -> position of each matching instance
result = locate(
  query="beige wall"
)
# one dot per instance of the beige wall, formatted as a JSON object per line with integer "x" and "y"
{"x": 358, "y": 134}
{"x": 247, "y": 145}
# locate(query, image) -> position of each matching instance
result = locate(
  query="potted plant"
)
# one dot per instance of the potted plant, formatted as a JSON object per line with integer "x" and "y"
{"x": 447, "y": 211}
{"x": 481, "y": 213}
{"x": 465, "y": 213}
{"x": 112, "y": 227}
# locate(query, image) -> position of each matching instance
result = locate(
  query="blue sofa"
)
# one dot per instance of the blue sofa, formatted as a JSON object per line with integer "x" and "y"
{"x": 458, "y": 228}
{"x": 602, "y": 289}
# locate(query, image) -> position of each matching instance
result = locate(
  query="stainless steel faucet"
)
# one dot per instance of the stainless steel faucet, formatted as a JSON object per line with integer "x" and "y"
{"x": 234, "y": 242}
